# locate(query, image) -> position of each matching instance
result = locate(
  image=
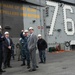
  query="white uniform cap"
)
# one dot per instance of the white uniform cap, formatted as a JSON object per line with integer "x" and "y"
{"x": 6, "y": 33}
{"x": 26, "y": 31}
{"x": 31, "y": 28}
{"x": 0, "y": 27}
{"x": 39, "y": 35}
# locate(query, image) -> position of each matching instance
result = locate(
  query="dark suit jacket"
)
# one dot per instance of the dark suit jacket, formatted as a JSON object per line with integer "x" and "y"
{"x": 6, "y": 45}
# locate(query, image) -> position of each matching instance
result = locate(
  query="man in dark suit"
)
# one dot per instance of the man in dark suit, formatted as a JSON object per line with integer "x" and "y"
{"x": 7, "y": 45}
{"x": 1, "y": 50}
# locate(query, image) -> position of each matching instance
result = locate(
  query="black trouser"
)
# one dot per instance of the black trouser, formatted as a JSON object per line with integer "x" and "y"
{"x": 1, "y": 57}
{"x": 7, "y": 58}
{"x": 28, "y": 58}
{"x": 23, "y": 56}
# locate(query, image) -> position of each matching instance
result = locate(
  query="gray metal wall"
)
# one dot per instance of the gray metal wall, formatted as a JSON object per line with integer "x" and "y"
{"x": 59, "y": 36}
{"x": 33, "y": 18}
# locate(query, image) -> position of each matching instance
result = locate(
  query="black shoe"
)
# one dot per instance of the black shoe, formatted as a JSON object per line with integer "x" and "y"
{"x": 23, "y": 65}
{"x": 9, "y": 66}
{"x": 37, "y": 67}
{"x": 44, "y": 62}
{"x": 40, "y": 62}
{"x": 31, "y": 70}
{"x": 18, "y": 59}
{"x": 1, "y": 71}
{"x": 28, "y": 67}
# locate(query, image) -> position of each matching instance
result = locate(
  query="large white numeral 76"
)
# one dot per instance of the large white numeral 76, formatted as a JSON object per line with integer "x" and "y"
{"x": 54, "y": 16}
{"x": 68, "y": 20}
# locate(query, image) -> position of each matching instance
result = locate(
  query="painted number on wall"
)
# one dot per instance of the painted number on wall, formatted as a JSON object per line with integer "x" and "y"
{"x": 66, "y": 20}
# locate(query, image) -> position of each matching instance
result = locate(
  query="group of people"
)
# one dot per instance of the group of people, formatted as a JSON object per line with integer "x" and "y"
{"x": 28, "y": 43}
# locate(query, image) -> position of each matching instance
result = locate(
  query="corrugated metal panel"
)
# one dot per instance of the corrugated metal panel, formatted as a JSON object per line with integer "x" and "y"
{"x": 11, "y": 18}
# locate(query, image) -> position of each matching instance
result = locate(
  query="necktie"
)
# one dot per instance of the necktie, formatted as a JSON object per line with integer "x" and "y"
{"x": 8, "y": 41}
